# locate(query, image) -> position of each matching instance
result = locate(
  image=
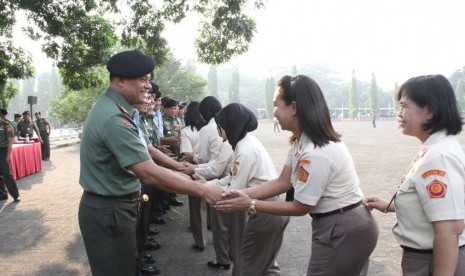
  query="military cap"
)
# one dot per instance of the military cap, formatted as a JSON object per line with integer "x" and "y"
{"x": 130, "y": 64}
{"x": 3, "y": 111}
{"x": 18, "y": 115}
{"x": 154, "y": 89}
{"x": 26, "y": 113}
{"x": 170, "y": 103}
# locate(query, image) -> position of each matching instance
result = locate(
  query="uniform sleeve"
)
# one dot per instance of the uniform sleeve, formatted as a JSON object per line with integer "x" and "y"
{"x": 217, "y": 167}
{"x": 243, "y": 170}
{"x": 9, "y": 131}
{"x": 439, "y": 182}
{"x": 186, "y": 143}
{"x": 122, "y": 139}
{"x": 313, "y": 173}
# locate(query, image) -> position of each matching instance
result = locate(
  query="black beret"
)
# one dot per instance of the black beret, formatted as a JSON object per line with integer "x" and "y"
{"x": 130, "y": 64}
{"x": 26, "y": 112}
{"x": 3, "y": 111}
{"x": 170, "y": 103}
{"x": 17, "y": 115}
{"x": 155, "y": 88}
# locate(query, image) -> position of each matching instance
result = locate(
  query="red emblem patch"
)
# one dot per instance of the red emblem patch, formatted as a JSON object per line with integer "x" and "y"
{"x": 303, "y": 174}
{"x": 126, "y": 122}
{"x": 436, "y": 189}
{"x": 304, "y": 161}
{"x": 235, "y": 169}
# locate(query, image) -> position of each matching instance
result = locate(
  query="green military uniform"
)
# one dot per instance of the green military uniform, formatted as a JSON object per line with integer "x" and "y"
{"x": 108, "y": 208}
{"x": 6, "y": 133}
{"x": 45, "y": 146}
{"x": 26, "y": 128}
{"x": 153, "y": 130}
{"x": 172, "y": 128}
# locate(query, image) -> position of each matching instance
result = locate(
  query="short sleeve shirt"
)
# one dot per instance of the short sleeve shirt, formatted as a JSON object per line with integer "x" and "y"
{"x": 41, "y": 124}
{"x": 433, "y": 190}
{"x": 6, "y": 133}
{"x": 110, "y": 144}
{"x": 26, "y": 128}
{"x": 323, "y": 177}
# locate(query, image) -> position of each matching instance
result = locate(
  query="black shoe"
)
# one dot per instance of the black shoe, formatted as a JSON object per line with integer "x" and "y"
{"x": 217, "y": 265}
{"x": 3, "y": 197}
{"x": 149, "y": 270}
{"x": 173, "y": 201}
{"x": 18, "y": 199}
{"x": 154, "y": 231}
{"x": 152, "y": 245}
{"x": 159, "y": 220}
{"x": 198, "y": 248}
{"x": 147, "y": 259}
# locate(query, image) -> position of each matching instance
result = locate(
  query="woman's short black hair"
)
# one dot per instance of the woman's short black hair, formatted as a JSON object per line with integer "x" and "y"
{"x": 312, "y": 110}
{"x": 208, "y": 108}
{"x": 192, "y": 116}
{"x": 236, "y": 120}
{"x": 435, "y": 92}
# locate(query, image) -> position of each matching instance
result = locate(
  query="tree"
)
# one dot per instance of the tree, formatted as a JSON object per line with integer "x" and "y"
{"x": 294, "y": 70}
{"x": 7, "y": 94}
{"x": 373, "y": 96}
{"x": 460, "y": 92}
{"x": 79, "y": 38}
{"x": 395, "y": 102}
{"x": 43, "y": 93}
{"x": 353, "y": 97}
{"x": 269, "y": 93}
{"x": 234, "y": 87}
{"x": 213, "y": 81}
{"x": 180, "y": 82}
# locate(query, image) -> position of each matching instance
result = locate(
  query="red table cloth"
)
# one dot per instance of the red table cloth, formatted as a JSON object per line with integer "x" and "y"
{"x": 26, "y": 159}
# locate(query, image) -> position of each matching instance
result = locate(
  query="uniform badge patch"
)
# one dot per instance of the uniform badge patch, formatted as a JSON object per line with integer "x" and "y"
{"x": 304, "y": 161}
{"x": 127, "y": 123}
{"x": 235, "y": 168}
{"x": 436, "y": 189}
{"x": 433, "y": 172}
{"x": 303, "y": 174}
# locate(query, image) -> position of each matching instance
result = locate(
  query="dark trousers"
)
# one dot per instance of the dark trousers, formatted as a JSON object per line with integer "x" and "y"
{"x": 143, "y": 218}
{"x": 108, "y": 228}
{"x": 7, "y": 176}
{"x": 45, "y": 146}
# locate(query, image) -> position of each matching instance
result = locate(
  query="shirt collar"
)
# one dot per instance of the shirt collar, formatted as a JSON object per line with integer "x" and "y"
{"x": 433, "y": 138}
{"x": 120, "y": 100}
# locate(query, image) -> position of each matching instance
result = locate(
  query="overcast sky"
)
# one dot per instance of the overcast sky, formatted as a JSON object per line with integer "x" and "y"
{"x": 395, "y": 39}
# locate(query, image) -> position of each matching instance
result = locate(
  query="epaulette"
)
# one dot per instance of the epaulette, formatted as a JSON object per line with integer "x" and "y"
{"x": 123, "y": 109}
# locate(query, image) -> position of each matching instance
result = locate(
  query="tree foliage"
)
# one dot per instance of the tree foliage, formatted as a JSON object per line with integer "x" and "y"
{"x": 269, "y": 92}
{"x": 460, "y": 92}
{"x": 81, "y": 35}
{"x": 213, "y": 81}
{"x": 353, "y": 97}
{"x": 234, "y": 87}
{"x": 373, "y": 96}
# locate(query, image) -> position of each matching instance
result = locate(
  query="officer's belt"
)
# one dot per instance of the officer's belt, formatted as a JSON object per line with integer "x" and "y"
{"x": 337, "y": 211}
{"x": 131, "y": 196}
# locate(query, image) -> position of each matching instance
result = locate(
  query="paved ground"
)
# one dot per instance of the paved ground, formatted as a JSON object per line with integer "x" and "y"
{"x": 40, "y": 235}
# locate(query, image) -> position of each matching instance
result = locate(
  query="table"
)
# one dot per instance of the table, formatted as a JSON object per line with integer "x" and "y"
{"x": 26, "y": 159}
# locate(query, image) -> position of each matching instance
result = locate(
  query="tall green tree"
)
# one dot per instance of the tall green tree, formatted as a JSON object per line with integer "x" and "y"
{"x": 43, "y": 93}
{"x": 294, "y": 70}
{"x": 353, "y": 97}
{"x": 213, "y": 81}
{"x": 7, "y": 94}
{"x": 373, "y": 96}
{"x": 460, "y": 92}
{"x": 234, "y": 87}
{"x": 395, "y": 102}
{"x": 55, "y": 82}
{"x": 269, "y": 93}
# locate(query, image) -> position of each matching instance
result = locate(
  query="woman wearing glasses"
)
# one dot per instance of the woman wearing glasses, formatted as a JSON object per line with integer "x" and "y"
{"x": 321, "y": 170}
{"x": 430, "y": 202}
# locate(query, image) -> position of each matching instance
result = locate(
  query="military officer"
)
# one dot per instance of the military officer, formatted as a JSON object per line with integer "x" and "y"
{"x": 45, "y": 128}
{"x": 113, "y": 159}
{"x": 6, "y": 144}
{"x": 27, "y": 127}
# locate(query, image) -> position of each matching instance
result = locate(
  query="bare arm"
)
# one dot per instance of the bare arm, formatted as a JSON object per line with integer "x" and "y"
{"x": 445, "y": 246}
{"x": 379, "y": 204}
{"x": 156, "y": 176}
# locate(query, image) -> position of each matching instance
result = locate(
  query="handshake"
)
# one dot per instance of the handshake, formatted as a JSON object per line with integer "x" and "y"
{"x": 223, "y": 199}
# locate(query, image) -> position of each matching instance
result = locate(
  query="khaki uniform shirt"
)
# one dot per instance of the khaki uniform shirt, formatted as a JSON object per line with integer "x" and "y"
{"x": 209, "y": 142}
{"x": 433, "y": 190}
{"x": 110, "y": 144}
{"x": 219, "y": 167}
{"x": 6, "y": 133}
{"x": 323, "y": 177}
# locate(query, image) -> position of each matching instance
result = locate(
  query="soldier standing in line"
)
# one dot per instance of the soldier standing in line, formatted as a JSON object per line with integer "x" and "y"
{"x": 114, "y": 161}
{"x": 45, "y": 128}
{"x": 6, "y": 145}
{"x": 26, "y": 127}
{"x": 172, "y": 131}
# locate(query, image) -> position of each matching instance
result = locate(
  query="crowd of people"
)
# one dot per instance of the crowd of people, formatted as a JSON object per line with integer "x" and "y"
{"x": 20, "y": 130}
{"x": 140, "y": 149}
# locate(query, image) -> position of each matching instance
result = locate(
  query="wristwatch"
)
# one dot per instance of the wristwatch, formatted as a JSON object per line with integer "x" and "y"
{"x": 252, "y": 209}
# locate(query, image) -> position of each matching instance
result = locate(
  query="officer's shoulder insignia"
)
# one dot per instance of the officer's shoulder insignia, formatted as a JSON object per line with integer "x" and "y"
{"x": 8, "y": 128}
{"x": 126, "y": 122}
{"x": 304, "y": 162}
{"x": 123, "y": 109}
{"x": 235, "y": 170}
{"x": 433, "y": 172}
{"x": 303, "y": 174}
{"x": 436, "y": 189}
